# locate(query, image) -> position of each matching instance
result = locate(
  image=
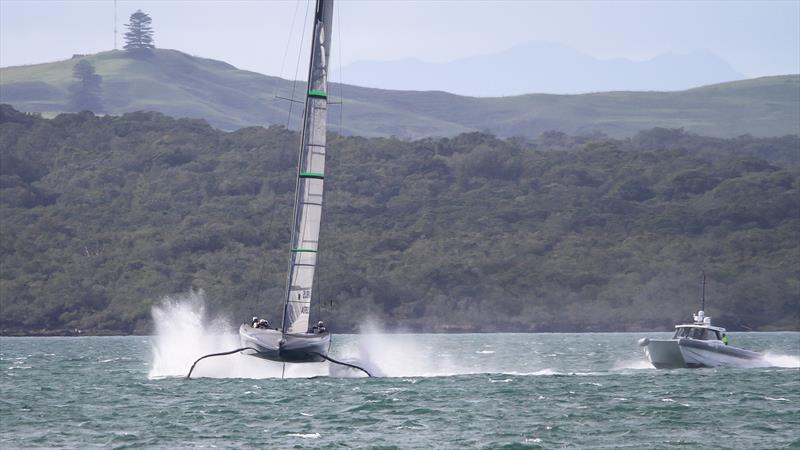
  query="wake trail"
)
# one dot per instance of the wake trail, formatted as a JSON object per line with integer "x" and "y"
{"x": 783, "y": 361}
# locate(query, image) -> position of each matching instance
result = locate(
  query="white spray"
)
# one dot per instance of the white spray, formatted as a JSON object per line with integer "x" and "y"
{"x": 786, "y": 361}
{"x": 184, "y": 333}
{"x": 398, "y": 355}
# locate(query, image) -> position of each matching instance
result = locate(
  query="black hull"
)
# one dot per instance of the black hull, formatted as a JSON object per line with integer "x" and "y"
{"x": 293, "y": 348}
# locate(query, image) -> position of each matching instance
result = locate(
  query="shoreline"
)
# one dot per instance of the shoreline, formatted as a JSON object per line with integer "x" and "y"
{"x": 107, "y": 333}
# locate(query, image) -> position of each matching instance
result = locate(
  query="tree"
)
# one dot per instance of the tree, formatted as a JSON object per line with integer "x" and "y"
{"x": 86, "y": 93}
{"x": 139, "y": 38}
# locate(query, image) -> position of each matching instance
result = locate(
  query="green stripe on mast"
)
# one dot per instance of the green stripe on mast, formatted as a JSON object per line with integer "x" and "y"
{"x": 316, "y": 175}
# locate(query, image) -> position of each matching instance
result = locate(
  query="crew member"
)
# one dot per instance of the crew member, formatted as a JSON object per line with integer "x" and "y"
{"x": 320, "y": 328}
{"x": 724, "y": 338}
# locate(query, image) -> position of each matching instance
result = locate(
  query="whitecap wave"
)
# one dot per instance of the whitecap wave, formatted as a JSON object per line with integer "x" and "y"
{"x": 305, "y": 435}
{"x": 633, "y": 364}
{"x": 787, "y": 361}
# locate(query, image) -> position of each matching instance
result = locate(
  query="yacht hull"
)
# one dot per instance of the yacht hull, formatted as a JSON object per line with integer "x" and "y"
{"x": 693, "y": 353}
{"x": 276, "y": 346}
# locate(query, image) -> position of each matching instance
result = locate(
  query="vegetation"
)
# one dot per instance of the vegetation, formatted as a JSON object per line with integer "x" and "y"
{"x": 87, "y": 91}
{"x": 139, "y": 37}
{"x": 103, "y": 216}
{"x": 181, "y": 85}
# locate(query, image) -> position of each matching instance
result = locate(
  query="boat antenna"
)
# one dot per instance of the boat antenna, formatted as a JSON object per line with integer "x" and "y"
{"x": 115, "y": 24}
{"x": 703, "y": 296}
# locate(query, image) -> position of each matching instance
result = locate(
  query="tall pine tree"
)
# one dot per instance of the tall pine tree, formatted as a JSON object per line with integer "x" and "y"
{"x": 139, "y": 38}
{"x": 87, "y": 92}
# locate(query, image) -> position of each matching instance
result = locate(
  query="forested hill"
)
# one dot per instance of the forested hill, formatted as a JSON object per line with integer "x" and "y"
{"x": 103, "y": 216}
{"x": 181, "y": 85}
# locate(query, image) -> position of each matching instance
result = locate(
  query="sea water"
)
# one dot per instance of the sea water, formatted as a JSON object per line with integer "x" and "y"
{"x": 436, "y": 391}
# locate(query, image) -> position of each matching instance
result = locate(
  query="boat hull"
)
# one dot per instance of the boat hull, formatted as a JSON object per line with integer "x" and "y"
{"x": 276, "y": 346}
{"x": 693, "y": 353}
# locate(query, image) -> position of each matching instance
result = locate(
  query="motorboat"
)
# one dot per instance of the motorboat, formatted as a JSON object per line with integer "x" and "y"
{"x": 698, "y": 344}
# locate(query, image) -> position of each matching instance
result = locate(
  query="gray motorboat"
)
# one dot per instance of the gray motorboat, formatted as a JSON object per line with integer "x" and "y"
{"x": 698, "y": 344}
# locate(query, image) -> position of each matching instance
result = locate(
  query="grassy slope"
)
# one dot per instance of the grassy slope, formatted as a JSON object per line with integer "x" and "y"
{"x": 186, "y": 86}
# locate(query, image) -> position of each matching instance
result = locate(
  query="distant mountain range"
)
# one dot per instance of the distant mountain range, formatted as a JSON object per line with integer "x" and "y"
{"x": 182, "y": 85}
{"x": 543, "y": 67}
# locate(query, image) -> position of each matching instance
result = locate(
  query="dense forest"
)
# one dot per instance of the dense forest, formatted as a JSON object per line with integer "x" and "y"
{"x": 103, "y": 216}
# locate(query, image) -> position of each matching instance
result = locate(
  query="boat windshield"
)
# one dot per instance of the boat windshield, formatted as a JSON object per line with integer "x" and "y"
{"x": 703, "y": 334}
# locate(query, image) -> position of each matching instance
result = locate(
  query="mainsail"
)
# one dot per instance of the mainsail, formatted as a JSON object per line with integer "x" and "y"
{"x": 310, "y": 178}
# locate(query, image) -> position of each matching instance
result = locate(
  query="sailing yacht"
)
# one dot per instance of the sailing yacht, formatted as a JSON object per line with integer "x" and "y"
{"x": 293, "y": 341}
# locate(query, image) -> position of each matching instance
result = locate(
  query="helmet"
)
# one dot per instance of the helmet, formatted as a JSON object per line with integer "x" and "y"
{"x": 320, "y": 323}
{"x": 255, "y": 318}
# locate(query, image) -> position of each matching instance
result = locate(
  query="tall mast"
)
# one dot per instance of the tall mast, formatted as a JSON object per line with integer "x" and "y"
{"x": 310, "y": 178}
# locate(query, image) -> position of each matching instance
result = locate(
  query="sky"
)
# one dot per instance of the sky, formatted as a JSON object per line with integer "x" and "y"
{"x": 757, "y": 38}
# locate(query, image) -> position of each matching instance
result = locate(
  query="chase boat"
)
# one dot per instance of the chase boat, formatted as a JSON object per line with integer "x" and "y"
{"x": 698, "y": 344}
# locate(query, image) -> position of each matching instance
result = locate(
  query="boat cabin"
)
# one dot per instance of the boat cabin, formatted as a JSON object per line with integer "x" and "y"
{"x": 701, "y": 329}
{"x": 699, "y": 332}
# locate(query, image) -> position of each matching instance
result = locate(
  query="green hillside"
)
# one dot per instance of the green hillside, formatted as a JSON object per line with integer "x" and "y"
{"x": 181, "y": 85}
{"x": 103, "y": 216}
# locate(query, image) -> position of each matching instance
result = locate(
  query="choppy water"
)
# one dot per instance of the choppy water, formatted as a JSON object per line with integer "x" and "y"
{"x": 441, "y": 391}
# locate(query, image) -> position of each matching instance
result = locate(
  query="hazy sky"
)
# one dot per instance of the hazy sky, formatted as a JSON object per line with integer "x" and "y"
{"x": 756, "y": 38}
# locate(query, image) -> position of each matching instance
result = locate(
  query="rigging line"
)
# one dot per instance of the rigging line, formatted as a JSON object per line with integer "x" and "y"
{"x": 289, "y": 39}
{"x": 189, "y": 375}
{"x": 317, "y": 269}
{"x": 341, "y": 77}
{"x": 317, "y": 276}
{"x": 326, "y": 193}
{"x": 326, "y": 199}
{"x": 297, "y": 66}
{"x": 263, "y": 271}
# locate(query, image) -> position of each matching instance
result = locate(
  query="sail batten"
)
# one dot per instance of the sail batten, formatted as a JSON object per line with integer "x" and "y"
{"x": 310, "y": 179}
